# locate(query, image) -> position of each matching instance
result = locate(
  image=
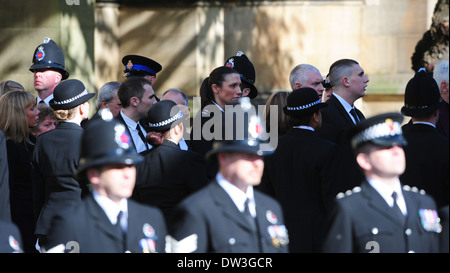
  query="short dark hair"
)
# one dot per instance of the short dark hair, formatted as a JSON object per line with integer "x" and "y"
{"x": 132, "y": 87}
{"x": 337, "y": 70}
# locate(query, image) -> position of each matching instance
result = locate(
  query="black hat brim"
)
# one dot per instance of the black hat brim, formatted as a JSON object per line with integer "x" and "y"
{"x": 253, "y": 91}
{"x": 64, "y": 73}
{"x": 128, "y": 159}
{"x": 238, "y": 146}
{"x": 419, "y": 112}
{"x": 72, "y": 104}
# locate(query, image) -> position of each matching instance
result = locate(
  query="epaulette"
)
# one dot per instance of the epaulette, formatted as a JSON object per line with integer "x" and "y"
{"x": 413, "y": 189}
{"x": 348, "y": 192}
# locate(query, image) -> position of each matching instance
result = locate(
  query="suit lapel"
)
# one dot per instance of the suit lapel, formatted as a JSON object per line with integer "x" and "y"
{"x": 226, "y": 204}
{"x": 377, "y": 203}
{"x": 337, "y": 104}
{"x": 101, "y": 220}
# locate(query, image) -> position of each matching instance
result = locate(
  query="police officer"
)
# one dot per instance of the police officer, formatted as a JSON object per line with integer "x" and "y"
{"x": 57, "y": 153}
{"x": 228, "y": 215}
{"x": 244, "y": 66}
{"x": 106, "y": 220}
{"x": 48, "y": 68}
{"x": 303, "y": 171}
{"x": 427, "y": 152}
{"x": 382, "y": 215}
{"x": 140, "y": 66}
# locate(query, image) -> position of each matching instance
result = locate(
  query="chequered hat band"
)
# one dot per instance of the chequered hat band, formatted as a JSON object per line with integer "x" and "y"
{"x": 67, "y": 101}
{"x": 167, "y": 121}
{"x": 303, "y": 107}
{"x": 380, "y": 130}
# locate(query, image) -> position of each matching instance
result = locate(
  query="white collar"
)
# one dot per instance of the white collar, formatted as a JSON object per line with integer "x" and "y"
{"x": 129, "y": 122}
{"x": 424, "y": 122}
{"x": 386, "y": 192}
{"x": 304, "y": 127}
{"x": 46, "y": 100}
{"x": 110, "y": 208}
{"x": 237, "y": 195}
{"x": 220, "y": 108}
{"x": 346, "y": 105}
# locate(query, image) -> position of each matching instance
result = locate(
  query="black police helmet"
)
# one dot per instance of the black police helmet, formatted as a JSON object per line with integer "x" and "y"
{"x": 245, "y": 68}
{"x": 48, "y": 55}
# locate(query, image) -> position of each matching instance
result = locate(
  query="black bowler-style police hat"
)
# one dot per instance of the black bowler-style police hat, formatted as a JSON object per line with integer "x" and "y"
{"x": 48, "y": 55}
{"x": 69, "y": 94}
{"x": 303, "y": 101}
{"x": 245, "y": 68}
{"x": 248, "y": 131}
{"x": 326, "y": 82}
{"x": 422, "y": 95}
{"x": 136, "y": 65}
{"x": 163, "y": 115}
{"x": 106, "y": 141}
{"x": 380, "y": 130}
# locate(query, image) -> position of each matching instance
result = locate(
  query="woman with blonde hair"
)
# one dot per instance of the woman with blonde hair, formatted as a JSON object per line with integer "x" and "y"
{"x": 18, "y": 114}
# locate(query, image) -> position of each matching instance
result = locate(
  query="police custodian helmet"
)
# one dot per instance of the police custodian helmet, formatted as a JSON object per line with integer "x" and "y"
{"x": 106, "y": 141}
{"x": 48, "y": 55}
{"x": 248, "y": 132}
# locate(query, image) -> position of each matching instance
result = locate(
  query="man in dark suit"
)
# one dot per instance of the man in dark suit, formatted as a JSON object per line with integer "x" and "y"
{"x": 349, "y": 84}
{"x": 228, "y": 215}
{"x": 302, "y": 172}
{"x": 57, "y": 153}
{"x": 137, "y": 96}
{"x": 106, "y": 220}
{"x": 173, "y": 173}
{"x": 381, "y": 215}
{"x": 427, "y": 152}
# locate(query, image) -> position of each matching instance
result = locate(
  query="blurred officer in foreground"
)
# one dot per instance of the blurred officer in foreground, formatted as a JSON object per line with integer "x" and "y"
{"x": 228, "y": 215}
{"x": 48, "y": 68}
{"x": 106, "y": 220}
{"x": 381, "y": 215}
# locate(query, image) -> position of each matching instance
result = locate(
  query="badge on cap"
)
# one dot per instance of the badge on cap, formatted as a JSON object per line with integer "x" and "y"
{"x": 271, "y": 217}
{"x": 430, "y": 220}
{"x": 278, "y": 234}
{"x": 230, "y": 63}
{"x": 40, "y": 54}
{"x": 129, "y": 65}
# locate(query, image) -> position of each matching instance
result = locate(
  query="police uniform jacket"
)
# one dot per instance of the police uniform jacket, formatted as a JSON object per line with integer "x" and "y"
{"x": 167, "y": 175}
{"x": 220, "y": 227}
{"x": 55, "y": 159}
{"x": 335, "y": 124}
{"x": 88, "y": 226}
{"x": 427, "y": 161}
{"x": 362, "y": 222}
{"x": 302, "y": 175}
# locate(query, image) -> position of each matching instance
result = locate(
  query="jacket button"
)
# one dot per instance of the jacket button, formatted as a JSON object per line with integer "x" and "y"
{"x": 231, "y": 241}
{"x": 408, "y": 231}
{"x": 374, "y": 231}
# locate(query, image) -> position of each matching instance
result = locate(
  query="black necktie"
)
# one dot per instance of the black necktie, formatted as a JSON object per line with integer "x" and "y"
{"x": 141, "y": 135}
{"x": 121, "y": 231}
{"x": 354, "y": 115}
{"x": 248, "y": 215}
{"x": 397, "y": 211}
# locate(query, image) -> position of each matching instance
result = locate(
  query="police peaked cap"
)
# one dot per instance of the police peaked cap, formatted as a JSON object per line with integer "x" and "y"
{"x": 136, "y": 65}
{"x": 422, "y": 95}
{"x": 163, "y": 115}
{"x": 48, "y": 55}
{"x": 383, "y": 130}
{"x": 245, "y": 68}
{"x": 69, "y": 94}
{"x": 106, "y": 141}
{"x": 303, "y": 101}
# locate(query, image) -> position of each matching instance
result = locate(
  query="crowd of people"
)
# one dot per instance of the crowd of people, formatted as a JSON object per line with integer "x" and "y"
{"x": 136, "y": 177}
